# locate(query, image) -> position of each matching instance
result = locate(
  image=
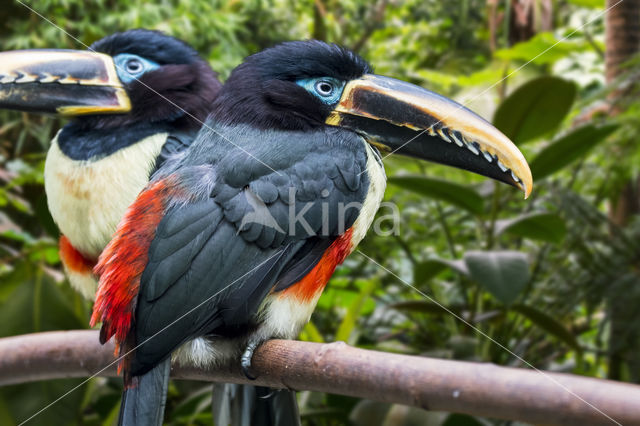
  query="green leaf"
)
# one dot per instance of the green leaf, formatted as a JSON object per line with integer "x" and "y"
{"x": 24, "y": 400}
{"x": 569, "y": 148}
{"x": 430, "y": 268}
{"x": 537, "y": 226}
{"x": 37, "y": 304}
{"x": 460, "y": 195}
{"x": 503, "y": 273}
{"x": 425, "y": 307}
{"x": 345, "y": 331}
{"x": 425, "y": 271}
{"x": 548, "y": 324}
{"x": 543, "y": 48}
{"x": 535, "y": 108}
{"x": 591, "y": 4}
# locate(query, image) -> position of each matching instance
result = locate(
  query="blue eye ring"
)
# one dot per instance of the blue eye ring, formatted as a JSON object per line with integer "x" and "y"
{"x": 130, "y": 67}
{"x": 326, "y": 89}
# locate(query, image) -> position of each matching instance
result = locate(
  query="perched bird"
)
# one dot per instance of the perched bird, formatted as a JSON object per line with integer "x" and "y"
{"x": 135, "y": 97}
{"x": 234, "y": 239}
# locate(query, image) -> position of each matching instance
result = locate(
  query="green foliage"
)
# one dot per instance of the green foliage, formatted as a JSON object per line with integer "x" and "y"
{"x": 533, "y": 275}
{"x": 548, "y": 323}
{"x": 594, "y": 4}
{"x": 503, "y": 273}
{"x": 542, "y": 49}
{"x": 569, "y": 148}
{"x": 548, "y": 227}
{"x": 535, "y": 108}
{"x": 456, "y": 194}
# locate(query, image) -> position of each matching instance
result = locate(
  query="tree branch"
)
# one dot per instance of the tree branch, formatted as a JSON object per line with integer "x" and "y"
{"x": 433, "y": 384}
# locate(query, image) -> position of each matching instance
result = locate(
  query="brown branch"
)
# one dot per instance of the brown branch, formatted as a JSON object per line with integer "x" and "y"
{"x": 434, "y": 384}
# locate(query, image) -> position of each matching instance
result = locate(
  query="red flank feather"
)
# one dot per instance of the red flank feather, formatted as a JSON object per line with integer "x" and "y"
{"x": 122, "y": 262}
{"x": 315, "y": 281}
{"x": 73, "y": 260}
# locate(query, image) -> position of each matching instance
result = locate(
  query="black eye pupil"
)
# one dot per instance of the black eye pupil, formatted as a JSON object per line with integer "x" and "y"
{"x": 134, "y": 66}
{"x": 324, "y": 88}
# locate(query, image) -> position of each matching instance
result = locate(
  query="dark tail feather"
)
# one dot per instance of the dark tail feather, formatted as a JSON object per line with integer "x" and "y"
{"x": 247, "y": 405}
{"x": 143, "y": 403}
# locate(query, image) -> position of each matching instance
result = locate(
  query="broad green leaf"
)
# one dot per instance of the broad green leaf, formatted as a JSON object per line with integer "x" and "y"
{"x": 548, "y": 324}
{"x": 535, "y": 108}
{"x": 425, "y": 271}
{"x": 446, "y": 80}
{"x": 38, "y": 304}
{"x": 543, "y": 48}
{"x": 460, "y": 195}
{"x": 348, "y": 324}
{"x": 503, "y": 273}
{"x": 24, "y": 400}
{"x": 430, "y": 268}
{"x": 537, "y": 226}
{"x": 569, "y": 148}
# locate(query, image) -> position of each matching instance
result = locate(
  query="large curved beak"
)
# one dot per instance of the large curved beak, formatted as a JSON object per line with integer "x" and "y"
{"x": 402, "y": 118}
{"x": 65, "y": 82}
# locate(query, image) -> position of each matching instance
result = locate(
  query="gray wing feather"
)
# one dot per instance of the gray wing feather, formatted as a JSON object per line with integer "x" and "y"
{"x": 210, "y": 268}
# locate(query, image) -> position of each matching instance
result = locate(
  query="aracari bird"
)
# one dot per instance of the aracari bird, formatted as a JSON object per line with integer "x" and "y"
{"x": 135, "y": 97}
{"x": 234, "y": 238}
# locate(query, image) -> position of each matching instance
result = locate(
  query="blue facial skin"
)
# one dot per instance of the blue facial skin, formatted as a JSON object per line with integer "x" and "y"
{"x": 131, "y": 67}
{"x": 327, "y": 89}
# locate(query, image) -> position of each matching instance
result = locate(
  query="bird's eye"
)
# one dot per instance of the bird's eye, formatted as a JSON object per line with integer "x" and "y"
{"x": 324, "y": 88}
{"x": 131, "y": 67}
{"x": 327, "y": 89}
{"x": 134, "y": 66}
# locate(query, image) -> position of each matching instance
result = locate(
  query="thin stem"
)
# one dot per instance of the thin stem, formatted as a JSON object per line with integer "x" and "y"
{"x": 447, "y": 231}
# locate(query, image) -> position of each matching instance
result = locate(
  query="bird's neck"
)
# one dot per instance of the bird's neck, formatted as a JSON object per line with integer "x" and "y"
{"x": 80, "y": 143}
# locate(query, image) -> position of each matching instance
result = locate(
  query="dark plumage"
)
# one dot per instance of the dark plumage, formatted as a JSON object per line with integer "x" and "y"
{"x": 175, "y": 97}
{"x": 222, "y": 260}
{"x": 149, "y": 44}
{"x": 211, "y": 234}
{"x": 262, "y": 91}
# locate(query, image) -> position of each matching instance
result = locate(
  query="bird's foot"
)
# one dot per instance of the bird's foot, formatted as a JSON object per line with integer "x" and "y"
{"x": 245, "y": 360}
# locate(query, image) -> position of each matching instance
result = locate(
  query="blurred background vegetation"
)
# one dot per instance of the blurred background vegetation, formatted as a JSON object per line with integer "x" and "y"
{"x": 553, "y": 278}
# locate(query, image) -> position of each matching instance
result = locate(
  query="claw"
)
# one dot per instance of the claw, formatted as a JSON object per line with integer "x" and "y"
{"x": 245, "y": 360}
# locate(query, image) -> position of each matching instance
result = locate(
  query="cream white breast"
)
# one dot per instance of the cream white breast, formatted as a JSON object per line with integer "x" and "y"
{"x": 88, "y": 198}
{"x": 375, "y": 193}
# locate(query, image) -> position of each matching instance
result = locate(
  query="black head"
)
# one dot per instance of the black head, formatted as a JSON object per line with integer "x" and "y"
{"x": 282, "y": 87}
{"x": 307, "y": 85}
{"x": 163, "y": 77}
